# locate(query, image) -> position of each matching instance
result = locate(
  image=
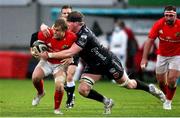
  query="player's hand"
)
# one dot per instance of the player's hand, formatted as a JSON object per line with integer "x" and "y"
{"x": 45, "y": 30}
{"x": 34, "y": 53}
{"x": 44, "y": 55}
{"x": 67, "y": 61}
{"x": 144, "y": 63}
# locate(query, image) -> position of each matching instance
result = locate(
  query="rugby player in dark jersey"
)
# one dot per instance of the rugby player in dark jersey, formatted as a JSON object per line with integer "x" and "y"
{"x": 99, "y": 61}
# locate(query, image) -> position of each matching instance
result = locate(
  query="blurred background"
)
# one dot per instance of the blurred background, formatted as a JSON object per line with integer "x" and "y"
{"x": 20, "y": 18}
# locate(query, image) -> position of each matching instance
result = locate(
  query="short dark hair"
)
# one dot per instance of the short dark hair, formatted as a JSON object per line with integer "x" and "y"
{"x": 66, "y": 7}
{"x": 61, "y": 23}
{"x": 75, "y": 16}
{"x": 169, "y": 8}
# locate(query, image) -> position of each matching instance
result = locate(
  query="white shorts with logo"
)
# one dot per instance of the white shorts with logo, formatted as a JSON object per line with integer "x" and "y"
{"x": 163, "y": 64}
{"x": 49, "y": 68}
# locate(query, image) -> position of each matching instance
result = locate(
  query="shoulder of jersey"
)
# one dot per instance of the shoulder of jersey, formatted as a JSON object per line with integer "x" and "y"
{"x": 178, "y": 20}
{"x": 160, "y": 22}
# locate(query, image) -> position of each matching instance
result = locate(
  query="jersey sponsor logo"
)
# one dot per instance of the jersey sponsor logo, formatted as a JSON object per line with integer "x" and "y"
{"x": 168, "y": 39}
{"x": 95, "y": 50}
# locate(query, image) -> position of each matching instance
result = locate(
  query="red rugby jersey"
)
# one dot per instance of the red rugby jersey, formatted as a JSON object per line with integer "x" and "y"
{"x": 169, "y": 37}
{"x": 58, "y": 45}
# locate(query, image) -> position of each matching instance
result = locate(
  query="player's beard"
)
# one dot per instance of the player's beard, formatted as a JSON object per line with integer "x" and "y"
{"x": 170, "y": 22}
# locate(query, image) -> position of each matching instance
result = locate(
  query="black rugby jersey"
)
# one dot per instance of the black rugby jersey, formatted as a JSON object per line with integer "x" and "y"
{"x": 93, "y": 53}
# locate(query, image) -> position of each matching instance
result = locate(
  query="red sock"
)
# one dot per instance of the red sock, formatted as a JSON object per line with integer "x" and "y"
{"x": 58, "y": 99}
{"x": 170, "y": 93}
{"x": 39, "y": 86}
{"x": 163, "y": 87}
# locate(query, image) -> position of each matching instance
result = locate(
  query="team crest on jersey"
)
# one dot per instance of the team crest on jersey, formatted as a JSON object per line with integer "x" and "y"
{"x": 177, "y": 34}
{"x": 84, "y": 36}
{"x": 64, "y": 46}
{"x": 83, "y": 39}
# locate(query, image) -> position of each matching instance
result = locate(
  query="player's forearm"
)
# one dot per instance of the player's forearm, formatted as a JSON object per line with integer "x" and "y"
{"x": 147, "y": 48}
{"x": 61, "y": 55}
{"x": 75, "y": 49}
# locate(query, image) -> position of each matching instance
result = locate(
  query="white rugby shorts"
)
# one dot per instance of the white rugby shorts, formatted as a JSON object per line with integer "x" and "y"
{"x": 163, "y": 64}
{"x": 49, "y": 68}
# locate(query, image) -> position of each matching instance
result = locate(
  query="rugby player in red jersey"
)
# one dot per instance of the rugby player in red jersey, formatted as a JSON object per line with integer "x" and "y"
{"x": 167, "y": 30}
{"x": 60, "y": 38}
{"x": 70, "y": 84}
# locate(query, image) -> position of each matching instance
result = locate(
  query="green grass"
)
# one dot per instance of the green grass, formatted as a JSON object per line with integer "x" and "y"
{"x": 16, "y": 97}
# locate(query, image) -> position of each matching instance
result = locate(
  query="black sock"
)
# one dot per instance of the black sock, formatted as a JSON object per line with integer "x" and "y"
{"x": 142, "y": 86}
{"x": 65, "y": 87}
{"x": 95, "y": 96}
{"x": 70, "y": 92}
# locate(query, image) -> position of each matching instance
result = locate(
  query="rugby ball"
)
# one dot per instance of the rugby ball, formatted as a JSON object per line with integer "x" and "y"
{"x": 39, "y": 46}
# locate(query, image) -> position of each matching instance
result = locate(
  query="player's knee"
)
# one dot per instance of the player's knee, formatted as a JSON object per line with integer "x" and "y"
{"x": 85, "y": 86}
{"x": 36, "y": 78}
{"x": 161, "y": 78}
{"x": 86, "y": 83}
{"x": 83, "y": 89}
{"x": 38, "y": 74}
{"x": 173, "y": 77}
{"x": 59, "y": 86}
{"x": 70, "y": 73}
{"x": 172, "y": 81}
{"x": 59, "y": 83}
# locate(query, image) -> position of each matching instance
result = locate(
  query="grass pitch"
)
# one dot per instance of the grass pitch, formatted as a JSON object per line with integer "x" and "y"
{"x": 16, "y": 97}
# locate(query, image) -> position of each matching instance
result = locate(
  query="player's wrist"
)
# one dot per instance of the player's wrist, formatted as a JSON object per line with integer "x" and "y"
{"x": 50, "y": 55}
